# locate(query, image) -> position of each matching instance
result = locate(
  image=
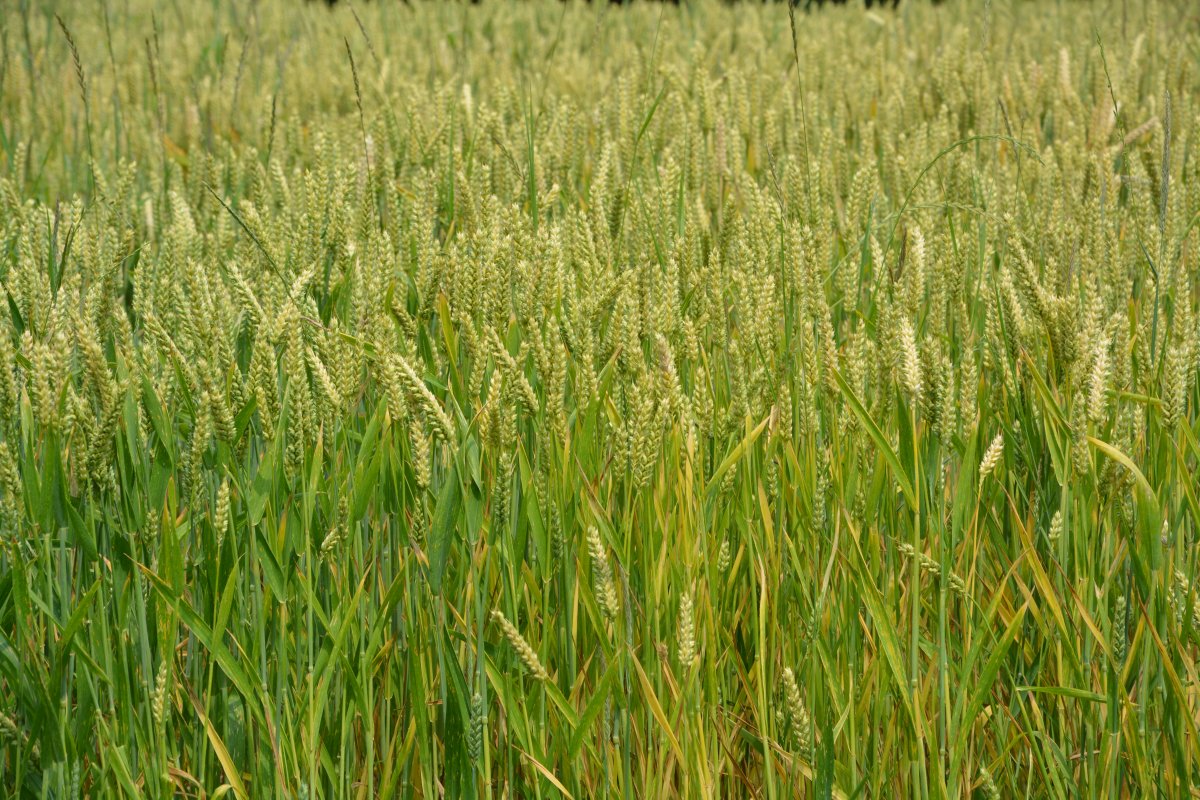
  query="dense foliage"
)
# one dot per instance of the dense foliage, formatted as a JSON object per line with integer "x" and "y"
{"x": 542, "y": 399}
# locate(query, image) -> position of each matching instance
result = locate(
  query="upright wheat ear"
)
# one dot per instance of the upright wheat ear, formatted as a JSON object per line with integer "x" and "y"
{"x": 221, "y": 515}
{"x": 991, "y": 457}
{"x": 602, "y": 580}
{"x": 1119, "y": 643}
{"x": 988, "y": 784}
{"x": 910, "y": 361}
{"x": 801, "y": 723}
{"x": 687, "y": 631}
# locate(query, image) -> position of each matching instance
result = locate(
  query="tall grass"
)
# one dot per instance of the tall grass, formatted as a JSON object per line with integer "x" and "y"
{"x": 539, "y": 400}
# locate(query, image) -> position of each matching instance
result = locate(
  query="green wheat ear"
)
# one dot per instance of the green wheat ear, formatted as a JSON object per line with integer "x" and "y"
{"x": 1119, "y": 641}
{"x": 991, "y": 457}
{"x": 526, "y": 653}
{"x": 799, "y": 719}
{"x": 988, "y": 784}
{"x": 686, "y": 636}
{"x": 602, "y": 579}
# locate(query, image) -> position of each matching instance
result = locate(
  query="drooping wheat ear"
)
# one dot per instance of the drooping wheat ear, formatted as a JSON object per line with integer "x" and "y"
{"x": 991, "y": 457}
{"x": 602, "y": 579}
{"x": 520, "y": 383}
{"x": 526, "y": 653}
{"x": 324, "y": 380}
{"x": 926, "y": 563}
{"x": 435, "y": 416}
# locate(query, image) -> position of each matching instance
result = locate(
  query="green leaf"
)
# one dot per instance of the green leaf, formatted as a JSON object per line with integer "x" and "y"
{"x": 81, "y": 531}
{"x": 881, "y": 442}
{"x": 230, "y": 664}
{"x": 221, "y": 751}
{"x": 530, "y": 502}
{"x": 983, "y": 683}
{"x": 735, "y": 455}
{"x": 445, "y": 525}
{"x": 270, "y": 564}
{"x": 260, "y": 489}
{"x": 1149, "y": 516}
{"x": 883, "y": 619}
{"x": 366, "y": 469}
{"x": 592, "y": 710}
{"x": 1064, "y": 691}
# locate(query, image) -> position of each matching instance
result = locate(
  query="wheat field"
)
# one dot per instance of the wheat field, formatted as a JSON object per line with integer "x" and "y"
{"x": 538, "y": 400}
